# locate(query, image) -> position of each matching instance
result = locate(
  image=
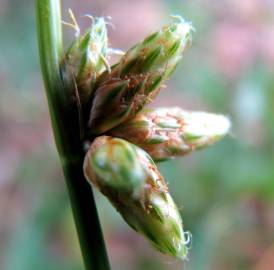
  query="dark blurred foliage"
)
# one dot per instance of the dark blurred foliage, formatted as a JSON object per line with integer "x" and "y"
{"x": 225, "y": 192}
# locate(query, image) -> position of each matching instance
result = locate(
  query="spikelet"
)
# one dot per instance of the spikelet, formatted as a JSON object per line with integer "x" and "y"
{"x": 136, "y": 79}
{"x": 85, "y": 59}
{"x": 139, "y": 193}
{"x": 169, "y": 132}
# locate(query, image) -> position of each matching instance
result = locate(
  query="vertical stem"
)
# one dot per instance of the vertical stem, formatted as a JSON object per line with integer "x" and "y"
{"x": 66, "y": 127}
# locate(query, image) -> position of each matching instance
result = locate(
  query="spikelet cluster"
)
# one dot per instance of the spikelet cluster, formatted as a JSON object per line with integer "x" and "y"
{"x": 127, "y": 139}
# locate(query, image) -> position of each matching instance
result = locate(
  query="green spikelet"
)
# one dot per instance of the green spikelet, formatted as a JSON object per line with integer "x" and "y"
{"x": 86, "y": 57}
{"x": 169, "y": 132}
{"x": 139, "y": 193}
{"x": 142, "y": 69}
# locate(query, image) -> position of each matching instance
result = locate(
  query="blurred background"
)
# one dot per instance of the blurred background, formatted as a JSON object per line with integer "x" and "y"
{"x": 225, "y": 192}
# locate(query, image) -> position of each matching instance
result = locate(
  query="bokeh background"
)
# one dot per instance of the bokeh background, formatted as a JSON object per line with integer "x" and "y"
{"x": 225, "y": 192}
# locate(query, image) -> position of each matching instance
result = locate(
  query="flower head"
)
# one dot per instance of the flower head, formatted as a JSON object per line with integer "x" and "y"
{"x": 122, "y": 167}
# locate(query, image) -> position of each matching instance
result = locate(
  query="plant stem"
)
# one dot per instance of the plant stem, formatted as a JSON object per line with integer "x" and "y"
{"x": 64, "y": 114}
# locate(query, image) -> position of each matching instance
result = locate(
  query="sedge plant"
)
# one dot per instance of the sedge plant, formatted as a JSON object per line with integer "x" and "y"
{"x": 107, "y": 138}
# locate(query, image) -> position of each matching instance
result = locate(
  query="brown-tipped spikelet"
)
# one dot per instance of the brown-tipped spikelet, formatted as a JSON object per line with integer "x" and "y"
{"x": 168, "y": 132}
{"x": 139, "y": 75}
{"x": 138, "y": 192}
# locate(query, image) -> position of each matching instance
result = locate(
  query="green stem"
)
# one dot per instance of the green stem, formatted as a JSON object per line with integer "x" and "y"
{"x": 64, "y": 114}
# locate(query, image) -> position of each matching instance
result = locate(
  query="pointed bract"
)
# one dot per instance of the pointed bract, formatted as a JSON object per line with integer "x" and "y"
{"x": 128, "y": 177}
{"x": 144, "y": 68}
{"x": 169, "y": 132}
